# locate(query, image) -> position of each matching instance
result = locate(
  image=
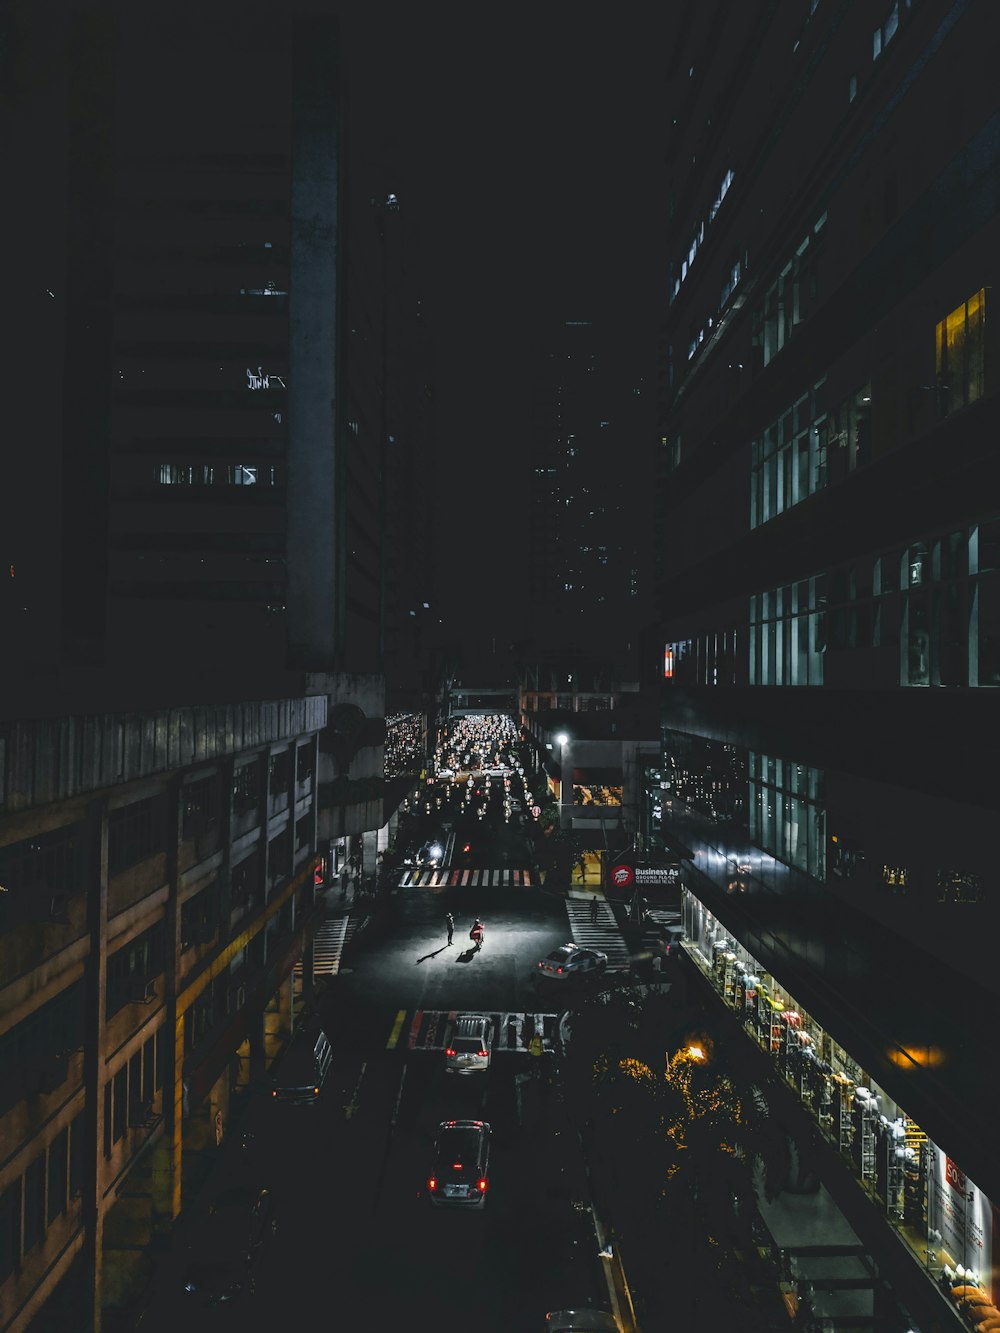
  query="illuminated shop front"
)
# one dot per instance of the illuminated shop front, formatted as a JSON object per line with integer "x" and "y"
{"x": 945, "y": 1220}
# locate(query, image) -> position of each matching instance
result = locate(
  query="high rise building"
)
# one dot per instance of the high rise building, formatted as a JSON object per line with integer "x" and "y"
{"x": 829, "y": 606}
{"x": 591, "y": 412}
{"x": 192, "y": 708}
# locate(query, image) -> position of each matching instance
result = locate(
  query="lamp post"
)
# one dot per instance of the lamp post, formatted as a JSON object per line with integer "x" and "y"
{"x": 562, "y": 741}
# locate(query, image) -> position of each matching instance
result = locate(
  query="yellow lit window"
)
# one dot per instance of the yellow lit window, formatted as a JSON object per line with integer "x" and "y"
{"x": 959, "y": 359}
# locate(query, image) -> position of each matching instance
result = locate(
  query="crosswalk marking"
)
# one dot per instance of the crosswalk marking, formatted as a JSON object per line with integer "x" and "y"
{"x": 602, "y": 933}
{"x": 328, "y": 946}
{"x": 430, "y": 1029}
{"x": 436, "y": 879}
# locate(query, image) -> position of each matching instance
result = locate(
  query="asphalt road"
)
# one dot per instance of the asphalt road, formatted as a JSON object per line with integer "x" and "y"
{"x": 357, "y": 1244}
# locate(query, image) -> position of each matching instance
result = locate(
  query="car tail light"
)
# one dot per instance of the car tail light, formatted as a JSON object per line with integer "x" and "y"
{"x": 449, "y": 1051}
{"x": 481, "y": 1053}
{"x": 558, "y": 969}
{"x": 432, "y": 1184}
{"x": 481, "y": 1185}
{"x": 315, "y": 1092}
{"x": 456, "y": 1166}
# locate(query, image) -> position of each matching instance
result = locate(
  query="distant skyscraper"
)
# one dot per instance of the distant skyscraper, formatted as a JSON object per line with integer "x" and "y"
{"x": 591, "y": 413}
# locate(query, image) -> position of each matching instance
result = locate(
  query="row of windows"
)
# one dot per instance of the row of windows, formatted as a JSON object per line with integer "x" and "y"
{"x": 35, "y": 1052}
{"x": 792, "y": 828}
{"x": 936, "y": 603}
{"x": 224, "y": 474}
{"x": 709, "y": 659}
{"x": 34, "y": 1201}
{"x": 791, "y": 297}
{"x": 128, "y": 1096}
{"x": 805, "y": 449}
{"x": 132, "y": 968}
{"x": 846, "y": 859}
{"x": 698, "y": 236}
{"x": 38, "y": 874}
{"x": 135, "y": 833}
{"x": 783, "y": 804}
{"x": 200, "y": 917}
{"x": 706, "y": 776}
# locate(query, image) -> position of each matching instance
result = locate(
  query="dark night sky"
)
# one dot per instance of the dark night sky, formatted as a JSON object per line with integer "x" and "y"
{"x": 532, "y": 137}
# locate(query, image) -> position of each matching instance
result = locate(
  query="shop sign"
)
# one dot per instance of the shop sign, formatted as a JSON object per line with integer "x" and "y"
{"x": 961, "y": 1214}
{"x": 644, "y": 876}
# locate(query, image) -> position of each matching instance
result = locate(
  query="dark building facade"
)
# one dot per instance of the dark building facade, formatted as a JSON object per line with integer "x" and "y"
{"x": 828, "y": 599}
{"x": 193, "y": 704}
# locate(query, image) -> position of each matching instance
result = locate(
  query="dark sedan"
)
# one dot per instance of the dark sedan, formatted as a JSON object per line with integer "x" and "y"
{"x": 229, "y": 1245}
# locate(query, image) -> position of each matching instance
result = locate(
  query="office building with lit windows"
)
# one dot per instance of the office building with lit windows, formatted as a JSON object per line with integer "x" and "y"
{"x": 192, "y": 702}
{"x": 829, "y": 588}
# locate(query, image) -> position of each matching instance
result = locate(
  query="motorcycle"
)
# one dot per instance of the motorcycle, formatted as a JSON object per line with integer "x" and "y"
{"x": 477, "y": 935}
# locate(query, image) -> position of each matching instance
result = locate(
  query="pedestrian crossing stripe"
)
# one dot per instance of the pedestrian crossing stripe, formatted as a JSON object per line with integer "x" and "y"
{"x": 328, "y": 946}
{"x": 448, "y": 878}
{"x": 430, "y": 1030}
{"x": 598, "y": 930}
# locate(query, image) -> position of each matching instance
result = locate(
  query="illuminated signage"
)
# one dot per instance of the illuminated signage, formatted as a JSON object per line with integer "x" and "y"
{"x": 262, "y": 380}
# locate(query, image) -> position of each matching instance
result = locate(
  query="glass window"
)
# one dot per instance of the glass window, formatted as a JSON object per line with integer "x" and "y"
{"x": 960, "y": 354}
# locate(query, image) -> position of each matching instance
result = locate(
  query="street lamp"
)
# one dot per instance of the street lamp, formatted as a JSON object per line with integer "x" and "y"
{"x": 563, "y": 740}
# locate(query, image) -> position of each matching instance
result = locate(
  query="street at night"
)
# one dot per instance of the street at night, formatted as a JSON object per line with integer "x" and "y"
{"x": 499, "y": 658}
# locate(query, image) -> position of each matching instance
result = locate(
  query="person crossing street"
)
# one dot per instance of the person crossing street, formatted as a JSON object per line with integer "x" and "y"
{"x": 450, "y": 923}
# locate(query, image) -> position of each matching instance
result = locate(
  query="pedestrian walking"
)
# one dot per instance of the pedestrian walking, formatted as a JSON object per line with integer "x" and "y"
{"x": 536, "y": 1049}
{"x": 450, "y": 923}
{"x": 594, "y": 908}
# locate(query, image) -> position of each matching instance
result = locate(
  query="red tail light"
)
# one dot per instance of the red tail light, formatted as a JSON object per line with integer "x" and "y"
{"x": 558, "y": 969}
{"x": 482, "y": 1053}
{"x": 432, "y": 1184}
{"x": 449, "y": 1051}
{"x": 481, "y": 1185}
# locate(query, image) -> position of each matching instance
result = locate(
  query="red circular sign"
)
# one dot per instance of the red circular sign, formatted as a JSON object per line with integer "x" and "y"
{"x": 622, "y": 877}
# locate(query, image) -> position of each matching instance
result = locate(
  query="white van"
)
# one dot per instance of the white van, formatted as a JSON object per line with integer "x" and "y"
{"x": 302, "y": 1070}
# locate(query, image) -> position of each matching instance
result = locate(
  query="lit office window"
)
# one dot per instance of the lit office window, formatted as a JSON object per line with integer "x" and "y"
{"x": 787, "y": 814}
{"x": 959, "y": 354}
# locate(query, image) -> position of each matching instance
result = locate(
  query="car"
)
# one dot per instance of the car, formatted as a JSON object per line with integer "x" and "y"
{"x": 445, "y": 773}
{"x": 570, "y": 960}
{"x": 581, "y": 1321}
{"x": 229, "y": 1244}
{"x": 459, "y": 1173}
{"x": 469, "y": 1045}
{"x": 431, "y": 853}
